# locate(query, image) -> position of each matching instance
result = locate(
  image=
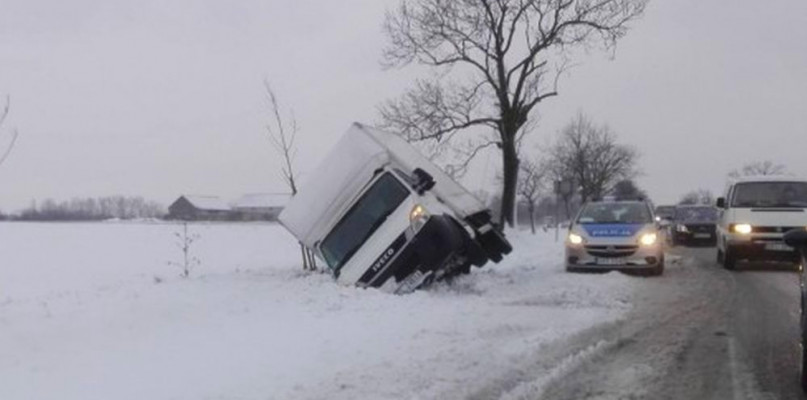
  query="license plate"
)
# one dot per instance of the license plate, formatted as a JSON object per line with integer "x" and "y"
{"x": 610, "y": 261}
{"x": 411, "y": 282}
{"x": 777, "y": 247}
{"x": 702, "y": 236}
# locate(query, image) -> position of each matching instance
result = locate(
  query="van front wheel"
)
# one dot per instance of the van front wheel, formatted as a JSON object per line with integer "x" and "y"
{"x": 730, "y": 259}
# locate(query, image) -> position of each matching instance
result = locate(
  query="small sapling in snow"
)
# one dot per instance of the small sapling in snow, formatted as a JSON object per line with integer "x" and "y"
{"x": 184, "y": 241}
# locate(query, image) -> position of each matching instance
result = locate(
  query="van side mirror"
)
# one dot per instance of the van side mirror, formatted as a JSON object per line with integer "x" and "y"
{"x": 721, "y": 202}
{"x": 424, "y": 181}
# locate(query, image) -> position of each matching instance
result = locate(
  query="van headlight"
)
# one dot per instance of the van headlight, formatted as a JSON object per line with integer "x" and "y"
{"x": 648, "y": 239}
{"x": 743, "y": 229}
{"x": 575, "y": 239}
{"x": 418, "y": 217}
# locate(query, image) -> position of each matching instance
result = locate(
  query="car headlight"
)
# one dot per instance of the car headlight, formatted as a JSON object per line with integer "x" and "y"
{"x": 743, "y": 229}
{"x": 418, "y": 216}
{"x": 648, "y": 239}
{"x": 681, "y": 228}
{"x": 575, "y": 239}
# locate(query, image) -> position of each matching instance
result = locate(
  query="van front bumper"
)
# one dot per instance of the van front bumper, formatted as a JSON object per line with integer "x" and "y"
{"x": 769, "y": 247}
{"x": 427, "y": 250}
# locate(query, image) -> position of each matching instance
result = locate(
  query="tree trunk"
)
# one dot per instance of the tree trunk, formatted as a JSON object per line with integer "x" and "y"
{"x": 510, "y": 158}
{"x": 566, "y": 207}
{"x": 531, "y": 209}
{"x": 305, "y": 259}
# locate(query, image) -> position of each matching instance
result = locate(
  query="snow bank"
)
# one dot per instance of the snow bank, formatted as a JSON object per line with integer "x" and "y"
{"x": 92, "y": 311}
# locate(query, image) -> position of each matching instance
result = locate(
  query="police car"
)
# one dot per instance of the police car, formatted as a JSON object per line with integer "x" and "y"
{"x": 615, "y": 235}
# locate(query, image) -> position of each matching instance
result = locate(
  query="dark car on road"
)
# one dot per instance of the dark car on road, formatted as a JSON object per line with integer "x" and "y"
{"x": 694, "y": 225}
{"x": 665, "y": 213}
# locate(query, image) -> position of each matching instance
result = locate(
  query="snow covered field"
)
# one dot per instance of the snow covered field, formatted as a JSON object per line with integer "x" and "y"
{"x": 93, "y": 311}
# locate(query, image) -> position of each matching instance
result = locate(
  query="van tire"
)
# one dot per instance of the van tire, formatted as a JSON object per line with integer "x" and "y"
{"x": 658, "y": 270}
{"x": 730, "y": 259}
{"x": 495, "y": 244}
{"x": 472, "y": 249}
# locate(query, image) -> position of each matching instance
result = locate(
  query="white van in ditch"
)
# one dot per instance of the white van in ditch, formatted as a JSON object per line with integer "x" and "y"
{"x": 755, "y": 213}
{"x": 379, "y": 214}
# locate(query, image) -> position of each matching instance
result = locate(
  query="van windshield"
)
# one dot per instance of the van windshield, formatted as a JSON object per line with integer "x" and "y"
{"x": 615, "y": 213}
{"x": 770, "y": 194}
{"x": 369, "y": 212}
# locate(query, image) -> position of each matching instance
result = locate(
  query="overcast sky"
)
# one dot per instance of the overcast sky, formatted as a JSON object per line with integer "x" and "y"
{"x": 160, "y": 98}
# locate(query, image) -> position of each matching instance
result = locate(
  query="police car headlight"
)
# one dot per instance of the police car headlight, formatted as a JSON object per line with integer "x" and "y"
{"x": 575, "y": 239}
{"x": 418, "y": 216}
{"x": 648, "y": 239}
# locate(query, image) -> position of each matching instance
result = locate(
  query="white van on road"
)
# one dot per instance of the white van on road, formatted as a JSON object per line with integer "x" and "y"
{"x": 382, "y": 215}
{"x": 755, "y": 213}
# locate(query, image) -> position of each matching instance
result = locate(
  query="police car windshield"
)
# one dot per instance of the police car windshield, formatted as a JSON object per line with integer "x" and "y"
{"x": 369, "y": 212}
{"x": 615, "y": 213}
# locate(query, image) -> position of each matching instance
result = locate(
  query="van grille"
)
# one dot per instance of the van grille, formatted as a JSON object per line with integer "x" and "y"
{"x": 774, "y": 229}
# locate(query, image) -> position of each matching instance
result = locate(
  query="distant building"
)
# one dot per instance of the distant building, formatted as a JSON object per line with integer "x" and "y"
{"x": 195, "y": 208}
{"x": 260, "y": 206}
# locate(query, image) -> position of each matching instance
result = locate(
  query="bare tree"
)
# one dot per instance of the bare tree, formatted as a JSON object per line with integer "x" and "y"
{"x": 282, "y": 136}
{"x": 591, "y": 157}
{"x": 627, "y": 189}
{"x": 494, "y": 62}
{"x": 759, "y": 168}
{"x": 3, "y": 114}
{"x": 184, "y": 242}
{"x": 530, "y": 186}
{"x": 696, "y": 197}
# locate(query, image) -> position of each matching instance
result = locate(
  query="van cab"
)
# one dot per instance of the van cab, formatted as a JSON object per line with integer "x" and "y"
{"x": 379, "y": 214}
{"x": 754, "y": 215}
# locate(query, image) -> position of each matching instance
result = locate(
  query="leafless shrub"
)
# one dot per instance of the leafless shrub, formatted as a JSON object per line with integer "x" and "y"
{"x": 590, "y": 156}
{"x": 282, "y": 136}
{"x": 531, "y": 182}
{"x": 759, "y": 168}
{"x": 695, "y": 197}
{"x": 184, "y": 242}
{"x": 4, "y": 153}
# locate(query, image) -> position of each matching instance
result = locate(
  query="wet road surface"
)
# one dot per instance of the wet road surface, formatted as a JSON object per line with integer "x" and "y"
{"x": 697, "y": 332}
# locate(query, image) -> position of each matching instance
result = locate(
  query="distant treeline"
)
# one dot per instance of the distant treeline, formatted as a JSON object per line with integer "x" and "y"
{"x": 90, "y": 209}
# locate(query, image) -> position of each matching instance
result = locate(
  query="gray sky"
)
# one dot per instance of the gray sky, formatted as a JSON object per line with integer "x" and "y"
{"x": 160, "y": 98}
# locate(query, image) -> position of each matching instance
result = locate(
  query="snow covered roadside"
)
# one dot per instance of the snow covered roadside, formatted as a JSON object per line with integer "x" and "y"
{"x": 82, "y": 317}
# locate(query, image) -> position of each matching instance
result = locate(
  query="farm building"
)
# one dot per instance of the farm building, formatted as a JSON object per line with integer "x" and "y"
{"x": 204, "y": 208}
{"x": 260, "y": 206}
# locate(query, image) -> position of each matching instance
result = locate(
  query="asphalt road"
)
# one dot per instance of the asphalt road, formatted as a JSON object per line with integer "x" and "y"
{"x": 697, "y": 332}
